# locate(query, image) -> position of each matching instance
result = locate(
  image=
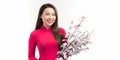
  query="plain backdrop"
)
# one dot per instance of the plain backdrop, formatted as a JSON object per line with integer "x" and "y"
{"x": 18, "y": 19}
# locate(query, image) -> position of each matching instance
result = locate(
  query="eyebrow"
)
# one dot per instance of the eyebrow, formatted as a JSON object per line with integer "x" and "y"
{"x": 49, "y": 12}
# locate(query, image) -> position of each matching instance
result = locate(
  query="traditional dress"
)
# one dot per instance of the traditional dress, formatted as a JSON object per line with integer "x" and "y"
{"x": 46, "y": 43}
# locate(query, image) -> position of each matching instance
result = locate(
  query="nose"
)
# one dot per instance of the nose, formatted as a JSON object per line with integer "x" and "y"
{"x": 50, "y": 17}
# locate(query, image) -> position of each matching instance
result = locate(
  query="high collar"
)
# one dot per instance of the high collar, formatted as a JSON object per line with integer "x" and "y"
{"x": 44, "y": 28}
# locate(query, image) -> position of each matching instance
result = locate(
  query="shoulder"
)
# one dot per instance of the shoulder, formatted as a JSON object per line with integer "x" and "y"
{"x": 34, "y": 32}
{"x": 62, "y": 31}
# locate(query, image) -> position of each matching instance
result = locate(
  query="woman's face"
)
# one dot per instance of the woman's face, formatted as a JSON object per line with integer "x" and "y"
{"x": 48, "y": 17}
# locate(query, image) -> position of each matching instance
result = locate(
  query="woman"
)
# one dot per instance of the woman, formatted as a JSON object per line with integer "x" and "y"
{"x": 46, "y": 36}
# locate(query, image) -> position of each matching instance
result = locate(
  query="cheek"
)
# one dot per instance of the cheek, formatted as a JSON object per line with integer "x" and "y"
{"x": 44, "y": 18}
{"x": 54, "y": 18}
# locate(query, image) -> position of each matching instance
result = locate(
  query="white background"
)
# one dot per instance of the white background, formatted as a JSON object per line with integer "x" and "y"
{"x": 18, "y": 19}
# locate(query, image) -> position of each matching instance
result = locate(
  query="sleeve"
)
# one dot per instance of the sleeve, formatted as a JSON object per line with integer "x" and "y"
{"x": 64, "y": 34}
{"x": 62, "y": 31}
{"x": 31, "y": 48}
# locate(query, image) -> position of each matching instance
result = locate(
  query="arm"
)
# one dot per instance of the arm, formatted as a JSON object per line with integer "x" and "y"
{"x": 31, "y": 48}
{"x": 63, "y": 32}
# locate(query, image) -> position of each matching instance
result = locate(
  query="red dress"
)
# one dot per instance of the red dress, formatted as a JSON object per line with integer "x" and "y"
{"x": 46, "y": 43}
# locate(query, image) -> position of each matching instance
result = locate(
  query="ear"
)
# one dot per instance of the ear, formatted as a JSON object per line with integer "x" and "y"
{"x": 41, "y": 16}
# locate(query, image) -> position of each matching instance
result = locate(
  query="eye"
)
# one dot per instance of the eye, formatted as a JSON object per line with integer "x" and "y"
{"x": 53, "y": 15}
{"x": 46, "y": 14}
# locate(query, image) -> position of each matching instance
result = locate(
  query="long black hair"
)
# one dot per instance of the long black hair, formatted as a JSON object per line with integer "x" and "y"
{"x": 58, "y": 36}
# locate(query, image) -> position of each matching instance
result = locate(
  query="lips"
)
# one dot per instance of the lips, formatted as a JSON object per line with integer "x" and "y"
{"x": 49, "y": 21}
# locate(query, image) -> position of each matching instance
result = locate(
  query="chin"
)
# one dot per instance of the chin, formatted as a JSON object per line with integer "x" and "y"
{"x": 50, "y": 24}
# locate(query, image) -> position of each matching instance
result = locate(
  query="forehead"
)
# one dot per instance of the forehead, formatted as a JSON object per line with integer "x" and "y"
{"x": 49, "y": 9}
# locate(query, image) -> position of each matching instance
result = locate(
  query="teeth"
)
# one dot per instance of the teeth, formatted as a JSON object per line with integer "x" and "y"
{"x": 50, "y": 21}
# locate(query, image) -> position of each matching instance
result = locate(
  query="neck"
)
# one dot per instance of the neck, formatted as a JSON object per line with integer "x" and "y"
{"x": 47, "y": 27}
